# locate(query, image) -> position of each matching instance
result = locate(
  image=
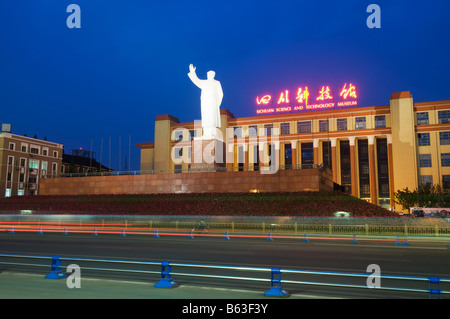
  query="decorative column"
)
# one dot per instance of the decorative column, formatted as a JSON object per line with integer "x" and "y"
{"x": 316, "y": 151}
{"x": 294, "y": 154}
{"x": 372, "y": 175}
{"x": 333, "y": 159}
{"x": 391, "y": 171}
{"x": 353, "y": 166}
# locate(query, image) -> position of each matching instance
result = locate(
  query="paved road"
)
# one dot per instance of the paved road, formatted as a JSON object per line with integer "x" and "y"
{"x": 418, "y": 259}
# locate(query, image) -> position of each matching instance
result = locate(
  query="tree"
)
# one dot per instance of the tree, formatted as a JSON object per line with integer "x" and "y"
{"x": 426, "y": 195}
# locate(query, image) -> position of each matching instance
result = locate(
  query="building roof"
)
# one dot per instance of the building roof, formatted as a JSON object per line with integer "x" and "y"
{"x": 82, "y": 161}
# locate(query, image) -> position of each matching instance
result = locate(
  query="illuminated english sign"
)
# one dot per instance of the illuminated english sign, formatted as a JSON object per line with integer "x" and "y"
{"x": 302, "y": 99}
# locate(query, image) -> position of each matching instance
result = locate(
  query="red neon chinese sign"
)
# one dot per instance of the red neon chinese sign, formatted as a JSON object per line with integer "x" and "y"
{"x": 301, "y": 100}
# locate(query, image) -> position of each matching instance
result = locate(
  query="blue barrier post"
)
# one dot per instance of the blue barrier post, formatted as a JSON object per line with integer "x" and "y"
{"x": 12, "y": 230}
{"x": 305, "y": 239}
{"x": 65, "y": 231}
{"x": 405, "y": 243}
{"x": 40, "y": 231}
{"x": 55, "y": 272}
{"x": 123, "y": 233}
{"x": 270, "y": 237}
{"x": 191, "y": 234}
{"x": 275, "y": 285}
{"x": 166, "y": 280}
{"x": 354, "y": 241}
{"x": 435, "y": 281}
{"x": 156, "y": 235}
{"x": 95, "y": 232}
{"x": 226, "y": 235}
{"x": 398, "y": 241}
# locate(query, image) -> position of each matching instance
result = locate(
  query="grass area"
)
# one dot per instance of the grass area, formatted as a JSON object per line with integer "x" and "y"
{"x": 205, "y": 204}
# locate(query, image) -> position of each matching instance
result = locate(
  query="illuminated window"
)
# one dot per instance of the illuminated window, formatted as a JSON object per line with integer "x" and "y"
{"x": 34, "y": 164}
{"x": 323, "y": 126}
{"x": 425, "y": 160}
{"x": 178, "y": 152}
{"x": 178, "y": 169}
{"x": 342, "y": 124}
{"x": 253, "y": 130}
{"x": 178, "y": 136}
{"x": 285, "y": 128}
{"x": 360, "y": 123}
{"x": 268, "y": 129}
{"x": 444, "y": 138}
{"x": 8, "y": 192}
{"x": 426, "y": 179}
{"x": 444, "y": 117}
{"x": 445, "y": 159}
{"x": 422, "y": 118}
{"x": 304, "y": 127}
{"x": 237, "y": 132}
{"x": 423, "y": 139}
{"x": 446, "y": 181}
{"x": 380, "y": 121}
{"x": 192, "y": 134}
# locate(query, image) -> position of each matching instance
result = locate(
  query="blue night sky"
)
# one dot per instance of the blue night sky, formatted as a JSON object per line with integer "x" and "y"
{"x": 129, "y": 61}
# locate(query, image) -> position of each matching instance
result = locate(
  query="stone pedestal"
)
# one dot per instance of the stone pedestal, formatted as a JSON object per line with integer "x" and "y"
{"x": 207, "y": 155}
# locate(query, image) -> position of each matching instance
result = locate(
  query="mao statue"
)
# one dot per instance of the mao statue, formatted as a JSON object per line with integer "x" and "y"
{"x": 210, "y": 98}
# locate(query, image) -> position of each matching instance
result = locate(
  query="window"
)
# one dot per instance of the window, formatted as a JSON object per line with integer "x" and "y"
{"x": 22, "y": 162}
{"x": 443, "y": 117}
{"x": 445, "y": 159}
{"x": 380, "y": 121}
{"x": 253, "y": 130}
{"x": 422, "y": 118}
{"x": 323, "y": 126}
{"x": 10, "y": 160}
{"x": 178, "y": 169}
{"x": 285, "y": 128}
{"x": 426, "y": 179}
{"x": 304, "y": 127}
{"x": 12, "y": 146}
{"x": 20, "y": 192}
{"x": 55, "y": 154}
{"x": 237, "y": 132}
{"x": 24, "y": 148}
{"x": 360, "y": 123}
{"x": 178, "y": 152}
{"x": 34, "y": 164}
{"x": 8, "y": 192}
{"x": 192, "y": 134}
{"x": 34, "y": 150}
{"x": 44, "y": 165}
{"x": 446, "y": 181}
{"x": 45, "y": 152}
{"x": 425, "y": 160}
{"x": 54, "y": 167}
{"x": 178, "y": 136}
{"x": 268, "y": 129}
{"x": 444, "y": 138}
{"x": 423, "y": 139}
{"x": 342, "y": 124}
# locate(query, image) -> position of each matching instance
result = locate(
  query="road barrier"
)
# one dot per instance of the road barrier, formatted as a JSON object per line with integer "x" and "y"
{"x": 276, "y": 288}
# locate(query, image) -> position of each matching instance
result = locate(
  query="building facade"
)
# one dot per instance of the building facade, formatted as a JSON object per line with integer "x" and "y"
{"x": 372, "y": 151}
{"x": 24, "y": 162}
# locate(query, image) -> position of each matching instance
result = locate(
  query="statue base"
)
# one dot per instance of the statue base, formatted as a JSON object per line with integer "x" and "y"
{"x": 208, "y": 155}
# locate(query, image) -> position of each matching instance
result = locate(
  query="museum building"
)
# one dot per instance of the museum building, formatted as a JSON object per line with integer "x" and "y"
{"x": 370, "y": 152}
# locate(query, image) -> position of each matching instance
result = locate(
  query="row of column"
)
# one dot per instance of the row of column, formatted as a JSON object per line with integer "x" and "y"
{"x": 353, "y": 164}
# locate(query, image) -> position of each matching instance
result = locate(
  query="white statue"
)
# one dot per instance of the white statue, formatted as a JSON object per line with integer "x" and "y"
{"x": 211, "y": 98}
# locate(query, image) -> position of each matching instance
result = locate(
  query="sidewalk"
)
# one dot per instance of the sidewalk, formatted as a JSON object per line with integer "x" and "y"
{"x": 32, "y": 286}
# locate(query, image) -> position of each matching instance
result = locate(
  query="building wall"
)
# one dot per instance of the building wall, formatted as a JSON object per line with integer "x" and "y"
{"x": 24, "y": 161}
{"x": 368, "y": 177}
{"x": 198, "y": 182}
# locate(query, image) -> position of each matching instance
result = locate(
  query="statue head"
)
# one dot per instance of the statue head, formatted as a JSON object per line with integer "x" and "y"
{"x": 211, "y": 75}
